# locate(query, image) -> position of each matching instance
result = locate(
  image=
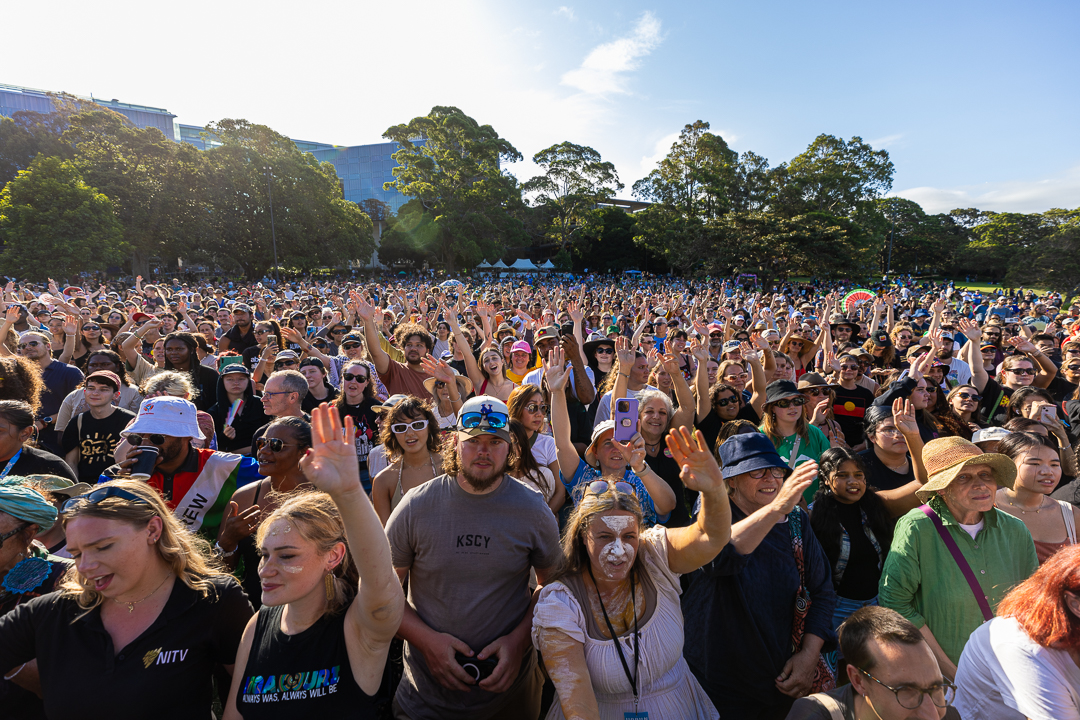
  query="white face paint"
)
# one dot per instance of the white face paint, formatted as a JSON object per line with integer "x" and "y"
{"x": 292, "y": 569}
{"x": 617, "y": 557}
{"x": 618, "y": 523}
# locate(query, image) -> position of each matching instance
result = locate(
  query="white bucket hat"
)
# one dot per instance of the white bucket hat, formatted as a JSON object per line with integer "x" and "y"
{"x": 172, "y": 416}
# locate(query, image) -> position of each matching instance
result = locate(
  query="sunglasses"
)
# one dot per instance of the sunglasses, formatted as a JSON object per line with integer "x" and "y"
{"x": 416, "y": 425}
{"x": 93, "y": 498}
{"x": 320, "y": 345}
{"x": 740, "y": 376}
{"x": 285, "y": 363}
{"x": 349, "y": 345}
{"x": 599, "y": 487}
{"x": 351, "y": 377}
{"x": 969, "y": 396}
{"x": 814, "y": 392}
{"x": 339, "y": 331}
{"x": 605, "y": 351}
{"x": 1073, "y": 368}
{"x": 534, "y": 408}
{"x": 91, "y": 327}
{"x": 137, "y": 440}
{"x": 1022, "y": 371}
{"x": 275, "y": 444}
{"x": 849, "y": 367}
{"x": 31, "y": 343}
{"x": 724, "y": 402}
{"x": 776, "y": 472}
{"x": 788, "y": 402}
{"x": 260, "y": 332}
{"x": 492, "y": 420}
{"x": 12, "y": 533}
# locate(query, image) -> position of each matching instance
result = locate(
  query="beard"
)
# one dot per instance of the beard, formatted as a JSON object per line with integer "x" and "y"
{"x": 945, "y": 354}
{"x": 482, "y": 482}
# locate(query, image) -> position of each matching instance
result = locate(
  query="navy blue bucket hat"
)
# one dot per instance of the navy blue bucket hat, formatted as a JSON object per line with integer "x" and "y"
{"x": 745, "y": 453}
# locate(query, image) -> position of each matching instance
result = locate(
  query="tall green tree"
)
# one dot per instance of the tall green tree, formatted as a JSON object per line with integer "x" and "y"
{"x": 837, "y": 177}
{"x": 919, "y": 242}
{"x": 574, "y": 182}
{"x": 1053, "y": 261}
{"x": 450, "y": 167}
{"x": 696, "y": 179}
{"x": 53, "y": 224}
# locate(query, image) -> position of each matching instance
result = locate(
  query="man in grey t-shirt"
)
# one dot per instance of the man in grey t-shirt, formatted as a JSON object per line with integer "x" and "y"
{"x": 467, "y": 541}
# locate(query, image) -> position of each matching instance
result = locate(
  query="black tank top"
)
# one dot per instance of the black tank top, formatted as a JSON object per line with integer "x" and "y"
{"x": 304, "y": 675}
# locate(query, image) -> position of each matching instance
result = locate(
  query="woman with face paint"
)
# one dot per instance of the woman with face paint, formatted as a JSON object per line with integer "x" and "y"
{"x": 609, "y": 624}
{"x": 331, "y": 599}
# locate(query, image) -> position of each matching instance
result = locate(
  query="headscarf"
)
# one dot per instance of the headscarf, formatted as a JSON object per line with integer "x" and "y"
{"x": 24, "y": 503}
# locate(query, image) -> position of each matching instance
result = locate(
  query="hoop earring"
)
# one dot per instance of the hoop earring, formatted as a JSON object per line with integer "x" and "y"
{"x": 329, "y": 587}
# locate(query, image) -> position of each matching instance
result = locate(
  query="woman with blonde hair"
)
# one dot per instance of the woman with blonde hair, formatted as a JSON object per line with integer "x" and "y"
{"x": 609, "y": 624}
{"x": 331, "y": 599}
{"x": 142, "y": 612}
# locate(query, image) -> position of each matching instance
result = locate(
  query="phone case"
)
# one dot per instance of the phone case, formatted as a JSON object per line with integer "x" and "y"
{"x": 625, "y": 415}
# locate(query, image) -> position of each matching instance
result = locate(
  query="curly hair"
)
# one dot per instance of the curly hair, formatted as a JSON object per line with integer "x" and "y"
{"x": 187, "y": 554}
{"x": 406, "y": 331}
{"x": 411, "y": 408}
{"x": 20, "y": 379}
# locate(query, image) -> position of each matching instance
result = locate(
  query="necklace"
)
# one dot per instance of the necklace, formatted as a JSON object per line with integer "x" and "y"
{"x": 131, "y": 605}
{"x": 1025, "y": 512}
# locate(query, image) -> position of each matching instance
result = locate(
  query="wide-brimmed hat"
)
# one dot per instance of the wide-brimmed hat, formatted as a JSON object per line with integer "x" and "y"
{"x": 506, "y": 327}
{"x": 389, "y": 403}
{"x": 836, "y": 321}
{"x": 945, "y": 457}
{"x": 165, "y": 415}
{"x": 465, "y": 385}
{"x": 605, "y": 426}
{"x": 484, "y": 415}
{"x": 59, "y": 485}
{"x": 744, "y": 453}
{"x": 780, "y": 389}
{"x": 813, "y": 380}
{"x": 596, "y": 340}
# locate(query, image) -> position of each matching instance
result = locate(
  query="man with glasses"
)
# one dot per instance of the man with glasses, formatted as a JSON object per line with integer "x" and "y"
{"x": 467, "y": 540}
{"x": 241, "y": 335}
{"x": 195, "y": 483}
{"x": 893, "y": 674}
{"x": 59, "y": 380}
{"x": 283, "y": 396}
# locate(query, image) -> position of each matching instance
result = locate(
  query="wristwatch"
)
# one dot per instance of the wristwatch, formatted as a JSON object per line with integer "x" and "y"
{"x": 220, "y": 551}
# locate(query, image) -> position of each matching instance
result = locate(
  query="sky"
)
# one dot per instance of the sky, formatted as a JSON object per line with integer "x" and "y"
{"x": 976, "y": 102}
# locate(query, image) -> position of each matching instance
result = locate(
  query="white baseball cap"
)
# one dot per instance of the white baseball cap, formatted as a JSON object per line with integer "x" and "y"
{"x": 166, "y": 415}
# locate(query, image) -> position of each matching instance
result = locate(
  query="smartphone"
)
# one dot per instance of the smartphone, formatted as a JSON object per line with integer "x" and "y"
{"x": 626, "y": 419}
{"x": 1048, "y": 414}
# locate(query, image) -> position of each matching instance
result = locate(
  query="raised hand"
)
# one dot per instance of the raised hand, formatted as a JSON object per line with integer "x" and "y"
{"x": 793, "y": 487}
{"x": 633, "y": 452}
{"x": 236, "y": 525}
{"x": 330, "y": 462}
{"x": 699, "y": 351}
{"x": 556, "y": 371}
{"x": 437, "y": 369}
{"x": 904, "y": 416}
{"x": 1022, "y": 344}
{"x": 573, "y": 309}
{"x": 970, "y": 329}
{"x": 699, "y": 469}
{"x": 11, "y": 315}
{"x": 624, "y": 353}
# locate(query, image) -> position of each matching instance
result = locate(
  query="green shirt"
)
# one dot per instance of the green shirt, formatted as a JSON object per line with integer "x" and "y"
{"x": 922, "y": 581}
{"x": 810, "y": 449}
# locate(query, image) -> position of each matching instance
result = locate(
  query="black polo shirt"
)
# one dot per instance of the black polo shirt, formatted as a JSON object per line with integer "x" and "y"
{"x": 164, "y": 673}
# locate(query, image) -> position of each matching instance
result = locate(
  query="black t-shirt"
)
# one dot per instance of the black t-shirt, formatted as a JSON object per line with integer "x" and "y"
{"x": 239, "y": 343}
{"x": 665, "y": 466}
{"x": 849, "y": 411}
{"x": 1061, "y": 389}
{"x": 96, "y": 440}
{"x": 164, "y": 673}
{"x": 302, "y": 675}
{"x": 251, "y": 418}
{"x": 310, "y": 402}
{"x": 991, "y": 411}
{"x": 39, "y": 462}
{"x": 880, "y": 476}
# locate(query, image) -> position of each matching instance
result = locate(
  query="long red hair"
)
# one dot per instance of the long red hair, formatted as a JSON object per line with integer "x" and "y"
{"x": 1038, "y": 603}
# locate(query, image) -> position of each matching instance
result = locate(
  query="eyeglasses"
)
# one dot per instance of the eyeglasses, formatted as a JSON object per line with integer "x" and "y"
{"x": 911, "y": 698}
{"x": 724, "y": 402}
{"x": 275, "y": 444}
{"x": 351, "y": 377}
{"x": 969, "y": 396}
{"x": 534, "y": 408}
{"x": 789, "y": 401}
{"x": 605, "y": 351}
{"x": 349, "y": 345}
{"x": 1021, "y": 371}
{"x": 599, "y": 487}
{"x": 29, "y": 343}
{"x": 416, "y": 425}
{"x": 777, "y": 472}
{"x": 280, "y": 392}
{"x": 490, "y": 419}
{"x": 12, "y": 533}
{"x": 93, "y": 498}
{"x": 137, "y": 440}
{"x": 891, "y": 431}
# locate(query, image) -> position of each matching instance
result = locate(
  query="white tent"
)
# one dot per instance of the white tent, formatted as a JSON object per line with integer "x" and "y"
{"x": 523, "y": 264}
{"x": 500, "y": 265}
{"x": 547, "y": 266}
{"x": 484, "y": 266}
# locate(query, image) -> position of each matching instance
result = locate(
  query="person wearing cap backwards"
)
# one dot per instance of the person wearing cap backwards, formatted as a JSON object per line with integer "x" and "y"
{"x": 954, "y": 559}
{"x": 27, "y": 571}
{"x": 750, "y": 645}
{"x": 91, "y": 437}
{"x": 195, "y": 483}
{"x": 241, "y": 335}
{"x": 467, "y": 540}
{"x": 400, "y": 378}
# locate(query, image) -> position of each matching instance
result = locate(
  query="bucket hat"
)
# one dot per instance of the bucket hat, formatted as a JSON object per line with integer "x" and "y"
{"x": 740, "y": 454}
{"x": 171, "y": 416}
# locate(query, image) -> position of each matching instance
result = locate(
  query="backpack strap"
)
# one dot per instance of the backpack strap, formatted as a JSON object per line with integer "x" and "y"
{"x": 961, "y": 562}
{"x": 829, "y": 703}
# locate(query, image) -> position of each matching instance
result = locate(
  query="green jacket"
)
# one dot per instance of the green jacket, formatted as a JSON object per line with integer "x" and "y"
{"x": 922, "y": 582}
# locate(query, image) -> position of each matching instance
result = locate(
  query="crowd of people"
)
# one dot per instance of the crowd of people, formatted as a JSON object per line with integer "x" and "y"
{"x": 560, "y": 497}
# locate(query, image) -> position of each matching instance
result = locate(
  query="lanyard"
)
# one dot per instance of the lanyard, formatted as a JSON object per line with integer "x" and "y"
{"x": 10, "y": 463}
{"x": 618, "y": 648}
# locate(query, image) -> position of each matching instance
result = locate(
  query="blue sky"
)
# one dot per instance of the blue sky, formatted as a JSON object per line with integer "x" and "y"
{"x": 977, "y": 102}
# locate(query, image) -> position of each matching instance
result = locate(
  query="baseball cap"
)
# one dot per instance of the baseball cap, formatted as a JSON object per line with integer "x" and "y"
{"x": 484, "y": 415}
{"x": 286, "y": 355}
{"x": 521, "y": 346}
{"x": 548, "y": 332}
{"x": 105, "y": 375}
{"x": 59, "y": 485}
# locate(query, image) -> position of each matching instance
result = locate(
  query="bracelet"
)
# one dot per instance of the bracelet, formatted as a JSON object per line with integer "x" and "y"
{"x": 625, "y": 375}
{"x": 220, "y": 551}
{"x": 640, "y": 472}
{"x": 8, "y": 677}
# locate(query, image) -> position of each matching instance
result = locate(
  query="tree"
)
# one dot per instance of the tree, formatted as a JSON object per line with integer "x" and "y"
{"x": 837, "y": 177}
{"x": 574, "y": 182}
{"x": 919, "y": 242}
{"x": 1053, "y": 261}
{"x": 607, "y": 244}
{"x": 450, "y": 166}
{"x": 53, "y": 224}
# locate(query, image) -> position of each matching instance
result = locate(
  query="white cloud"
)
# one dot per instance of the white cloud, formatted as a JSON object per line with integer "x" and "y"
{"x": 660, "y": 151}
{"x": 884, "y": 142}
{"x": 603, "y": 70}
{"x": 568, "y": 12}
{"x": 1061, "y": 191}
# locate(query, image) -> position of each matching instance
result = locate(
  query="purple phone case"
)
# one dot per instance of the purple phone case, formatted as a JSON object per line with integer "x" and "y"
{"x": 625, "y": 422}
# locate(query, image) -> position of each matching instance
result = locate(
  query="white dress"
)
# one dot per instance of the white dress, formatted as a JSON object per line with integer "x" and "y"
{"x": 667, "y": 688}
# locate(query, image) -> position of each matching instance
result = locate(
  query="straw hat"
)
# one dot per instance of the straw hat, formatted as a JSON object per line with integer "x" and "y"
{"x": 465, "y": 385}
{"x": 946, "y": 457}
